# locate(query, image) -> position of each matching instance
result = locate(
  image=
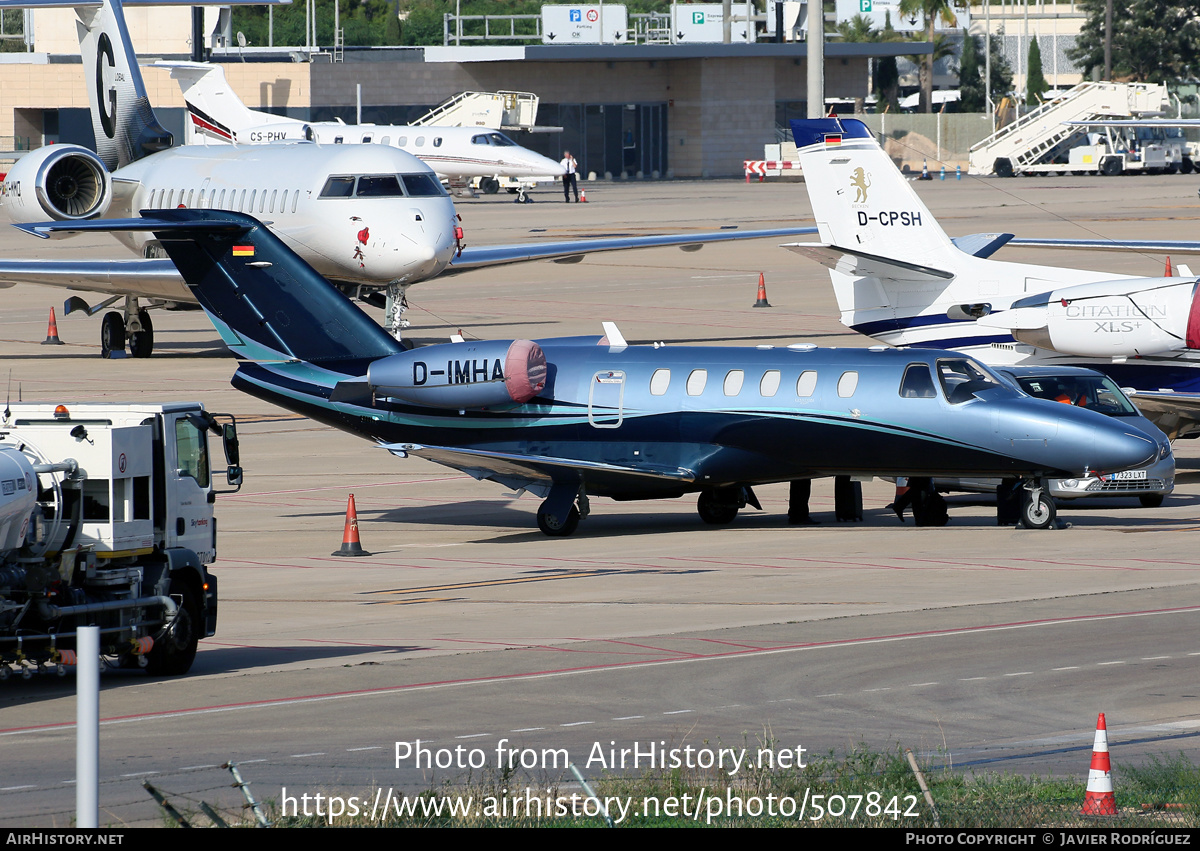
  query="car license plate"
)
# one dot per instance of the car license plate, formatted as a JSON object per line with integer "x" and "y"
{"x": 1126, "y": 476}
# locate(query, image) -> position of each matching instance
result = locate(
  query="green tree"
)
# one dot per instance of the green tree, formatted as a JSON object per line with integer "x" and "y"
{"x": 932, "y": 11}
{"x": 1153, "y": 41}
{"x": 1035, "y": 80}
{"x": 885, "y": 78}
{"x": 1002, "y": 72}
{"x": 972, "y": 95}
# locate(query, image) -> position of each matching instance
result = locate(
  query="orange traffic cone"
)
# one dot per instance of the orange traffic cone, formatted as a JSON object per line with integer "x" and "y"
{"x": 1099, "y": 799}
{"x": 762, "y": 292}
{"x": 52, "y": 332}
{"x": 350, "y": 543}
{"x": 1169, "y": 273}
{"x": 583, "y": 195}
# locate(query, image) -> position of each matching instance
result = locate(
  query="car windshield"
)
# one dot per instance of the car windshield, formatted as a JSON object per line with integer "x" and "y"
{"x": 1094, "y": 392}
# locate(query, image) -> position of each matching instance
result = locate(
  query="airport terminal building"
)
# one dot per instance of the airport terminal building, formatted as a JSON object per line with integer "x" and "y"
{"x": 678, "y": 110}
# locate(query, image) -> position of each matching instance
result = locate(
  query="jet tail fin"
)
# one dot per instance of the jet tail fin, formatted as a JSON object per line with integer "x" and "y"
{"x": 214, "y": 109}
{"x": 860, "y": 200}
{"x": 266, "y": 303}
{"x": 124, "y": 123}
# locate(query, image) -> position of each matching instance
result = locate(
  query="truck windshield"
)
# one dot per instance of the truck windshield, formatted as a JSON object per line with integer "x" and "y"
{"x": 191, "y": 448}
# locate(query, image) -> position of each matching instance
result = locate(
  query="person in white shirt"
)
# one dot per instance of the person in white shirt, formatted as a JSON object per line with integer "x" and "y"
{"x": 569, "y": 180}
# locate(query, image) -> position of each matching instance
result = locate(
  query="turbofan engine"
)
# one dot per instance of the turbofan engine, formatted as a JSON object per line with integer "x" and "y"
{"x": 61, "y": 182}
{"x": 463, "y": 375}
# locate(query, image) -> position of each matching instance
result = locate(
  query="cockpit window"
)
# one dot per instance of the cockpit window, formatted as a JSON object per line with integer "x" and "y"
{"x": 422, "y": 185}
{"x": 500, "y": 140}
{"x": 379, "y": 186}
{"x": 338, "y": 187}
{"x": 1094, "y": 392}
{"x": 917, "y": 383}
{"x": 962, "y": 378}
{"x": 481, "y": 139}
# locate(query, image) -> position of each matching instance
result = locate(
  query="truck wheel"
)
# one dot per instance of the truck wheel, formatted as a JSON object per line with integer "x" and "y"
{"x": 1003, "y": 167}
{"x": 551, "y": 525}
{"x": 712, "y": 510}
{"x": 1111, "y": 167}
{"x": 112, "y": 334}
{"x": 1187, "y": 166}
{"x": 489, "y": 185}
{"x": 175, "y": 649}
{"x": 1037, "y": 513}
{"x": 1151, "y": 500}
{"x": 141, "y": 343}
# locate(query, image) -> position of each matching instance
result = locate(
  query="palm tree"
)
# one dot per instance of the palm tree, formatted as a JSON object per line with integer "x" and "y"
{"x": 932, "y": 11}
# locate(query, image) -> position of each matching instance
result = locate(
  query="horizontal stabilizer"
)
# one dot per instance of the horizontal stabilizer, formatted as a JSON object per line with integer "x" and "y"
{"x": 981, "y": 244}
{"x": 866, "y": 265}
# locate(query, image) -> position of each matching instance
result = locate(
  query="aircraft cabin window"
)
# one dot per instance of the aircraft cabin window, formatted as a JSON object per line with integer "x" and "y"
{"x": 437, "y": 141}
{"x": 379, "y": 186}
{"x": 367, "y": 139}
{"x": 221, "y": 203}
{"x": 402, "y": 141}
{"x": 422, "y": 185}
{"x": 917, "y": 382}
{"x": 806, "y": 383}
{"x": 386, "y": 140}
{"x": 337, "y": 187}
{"x": 191, "y": 192}
{"x": 274, "y": 192}
{"x": 696, "y": 382}
{"x": 200, "y": 201}
{"x": 660, "y": 381}
{"x": 769, "y": 385}
{"x": 847, "y": 384}
{"x": 283, "y": 202}
{"x": 241, "y": 205}
{"x": 295, "y": 199}
{"x": 337, "y": 140}
{"x": 253, "y": 194}
{"x": 262, "y": 201}
{"x": 733, "y": 382}
{"x": 420, "y": 141}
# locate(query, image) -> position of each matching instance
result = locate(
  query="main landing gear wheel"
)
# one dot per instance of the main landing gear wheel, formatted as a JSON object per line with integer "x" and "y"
{"x": 551, "y": 525}
{"x": 713, "y": 510}
{"x": 112, "y": 334}
{"x": 1037, "y": 509}
{"x": 141, "y": 343}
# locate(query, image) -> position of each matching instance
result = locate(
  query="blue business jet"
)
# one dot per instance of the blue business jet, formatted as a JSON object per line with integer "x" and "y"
{"x": 572, "y": 418}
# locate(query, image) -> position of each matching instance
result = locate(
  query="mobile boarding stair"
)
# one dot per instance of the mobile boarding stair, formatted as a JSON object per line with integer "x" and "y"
{"x": 1038, "y": 142}
{"x": 495, "y": 110}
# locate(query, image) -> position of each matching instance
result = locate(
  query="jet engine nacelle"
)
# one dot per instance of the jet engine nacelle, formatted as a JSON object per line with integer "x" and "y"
{"x": 61, "y": 182}
{"x": 484, "y": 374}
{"x": 1109, "y": 319}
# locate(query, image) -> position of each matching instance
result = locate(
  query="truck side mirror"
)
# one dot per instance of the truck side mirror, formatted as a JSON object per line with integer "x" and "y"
{"x": 230, "y": 439}
{"x": 233, "y": 474}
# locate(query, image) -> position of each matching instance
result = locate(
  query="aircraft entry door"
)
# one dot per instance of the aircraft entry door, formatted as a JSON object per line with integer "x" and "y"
{"x": 606, "y": 399}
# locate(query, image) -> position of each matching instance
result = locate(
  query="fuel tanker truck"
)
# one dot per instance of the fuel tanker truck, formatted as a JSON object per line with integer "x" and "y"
{"x": 106, "y": 519}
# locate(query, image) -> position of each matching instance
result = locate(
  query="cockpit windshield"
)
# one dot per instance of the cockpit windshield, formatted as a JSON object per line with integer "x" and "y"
{"x": 962, "y": 378}
{"x": 382, "y": 186}
{"x": 497, "y": 139}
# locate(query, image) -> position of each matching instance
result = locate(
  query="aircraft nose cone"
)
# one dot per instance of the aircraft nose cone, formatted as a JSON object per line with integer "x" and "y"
{"x": 1123, "y": 449}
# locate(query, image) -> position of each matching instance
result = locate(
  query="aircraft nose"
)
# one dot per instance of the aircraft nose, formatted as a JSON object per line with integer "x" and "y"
{"x": 1123, "y": 448}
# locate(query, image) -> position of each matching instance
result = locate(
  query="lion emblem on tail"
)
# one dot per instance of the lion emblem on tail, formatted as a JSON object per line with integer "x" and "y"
{"x": 861, "y": 181}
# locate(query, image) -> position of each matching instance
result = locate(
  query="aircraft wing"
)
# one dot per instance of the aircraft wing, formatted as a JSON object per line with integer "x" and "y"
{"x": 1157, "y": 245}
{"x": 573, "y": 250}
{"x": 1177, "y": 414}
{"x": 533, "y": 472}
{"x": 143, "y": 278}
